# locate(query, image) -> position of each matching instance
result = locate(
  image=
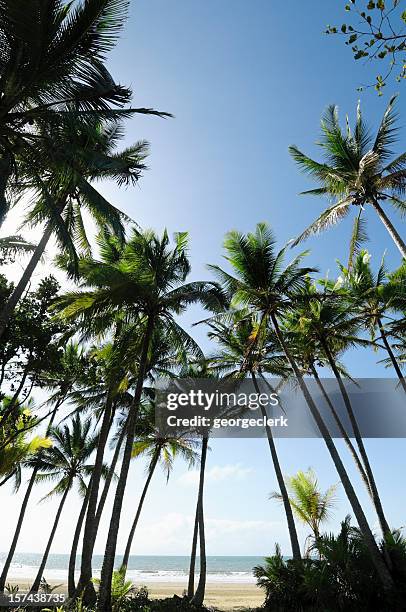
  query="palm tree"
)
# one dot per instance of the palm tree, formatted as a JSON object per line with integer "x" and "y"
{"x": 73, "y": 154}
{"x": 102, "y": 390}
{"x": 66, "y": 461}
{"x": 309, "y": 504}
{"x": 199, "y": 530}
{"x": 309, "y": 357}
{"x": 16, "y": 447}
{"x": 356, "y": 172}
{"x": 157, "y": 449}
{"x": 239, "y": 357}
{"x": 53, "y": 56}
{"x": 375, "y": 296}
{"x": 72, "y": 362}
{"x": 266, "y": 286}
{"x": 146, "y": 285}
{"x": 326, "y": 320}
{"x": 109, "y": 389}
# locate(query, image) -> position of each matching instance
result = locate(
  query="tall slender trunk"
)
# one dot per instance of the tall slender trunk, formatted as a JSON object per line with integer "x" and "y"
{"x": 391, "y": 355}
{"x": 5, "y": 173}
{"x": 85, "y": 586}
{"x": 108, "y": 480}
{"x": 102, "y": 501}
{"x": 127, "y": 551}
{"x": 341, "y": 428}
{"x": 104, "y": 599}
{"x": 192, "y": 567}
{"x": 360, "y": 443}
{"x": 376, "y": 557}
{"x": 294, "y": 542}
{"x": 37, "y": 582}
{"x": 390, "y": 227}
{"x": 23, "y": 509}
{"x": 24, "y": 280}
{"x": 17, "y": 532}
{"x": 75, "y": 542}
{"x": 198, "y": 597}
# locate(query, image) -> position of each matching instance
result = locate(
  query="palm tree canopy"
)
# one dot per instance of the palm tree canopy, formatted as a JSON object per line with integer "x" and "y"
{"x": 16, "y": 443}
{"x": 67, "y": 458}
{"x": 357, "y": 169}
{"x": 149, "y": 443}
{"x": 262, "y": 280}
{"x": 72, "y": 155}
{"x": 143, "y": 277}
{"x": 309, "y": 504}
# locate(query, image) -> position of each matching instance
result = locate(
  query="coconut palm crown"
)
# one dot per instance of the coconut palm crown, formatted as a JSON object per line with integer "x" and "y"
{"x": 357, "y": 170}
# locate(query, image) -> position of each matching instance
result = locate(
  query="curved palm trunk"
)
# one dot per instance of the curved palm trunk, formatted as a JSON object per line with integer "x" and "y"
{"x": 341, "y": 428}
{"x": 24, "y": 280}
{"x": 192, "y": 567}
{"x": 391, "y": 355}
{"x": 74, "y": 549}
{"x": 294, "y": 542}
{"x": 198, "y": 597}
{"x": 151, "y": 471}
{"x": 85, "y": 586}
{"x": 104, "y": 599}
{"x": 108, "y": 480}
{"x": 377, "y": 560}
{"x": 390, "y": 228}
{"x": 37, "y": 582}
{"x": 362, "y": 451}
{"x": 23, "y": 509}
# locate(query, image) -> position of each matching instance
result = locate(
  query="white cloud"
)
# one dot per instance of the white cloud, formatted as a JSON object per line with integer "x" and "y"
{"x": 217, "y": 473}
{"x": 172, "y": 534}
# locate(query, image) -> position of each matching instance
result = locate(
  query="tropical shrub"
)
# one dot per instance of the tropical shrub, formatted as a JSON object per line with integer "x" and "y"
{"x": 341, "y": 577}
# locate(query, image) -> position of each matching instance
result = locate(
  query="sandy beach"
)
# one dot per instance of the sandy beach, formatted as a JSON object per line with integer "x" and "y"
{"x": 225, "y": 596}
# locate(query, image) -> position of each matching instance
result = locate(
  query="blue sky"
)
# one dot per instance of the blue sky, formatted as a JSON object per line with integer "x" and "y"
{"x": 244, "y": 80}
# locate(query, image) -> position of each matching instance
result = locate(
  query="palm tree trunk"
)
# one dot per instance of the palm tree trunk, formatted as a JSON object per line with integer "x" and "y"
{"x": 376, "y": 558}
{"x": 198, "y": 597}
{"x": 5, "y": 173}
{"x": 354, "y": 424}
{"x": 24, "y": 280}
{"x": 108, "y": 480}
{"x": 23, "y": 509}
{"x": 104, "y": 599}
{"x": 294, "y": 542}
{"x": 151, "y": 471}
{"x": 74, "y": 549}
{"x": 192, "y": 568}
{"x": 390, "y": 227}
{"x": 341, "y": 428}
{"x": 391, "y": 355}
{"x": 37, "y": 581}
{"x": 85, "y": 586}
{"x": 17, "y": 532}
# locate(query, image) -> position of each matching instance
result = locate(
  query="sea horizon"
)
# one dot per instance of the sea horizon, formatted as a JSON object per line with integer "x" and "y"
{"x": 142, "y": 569}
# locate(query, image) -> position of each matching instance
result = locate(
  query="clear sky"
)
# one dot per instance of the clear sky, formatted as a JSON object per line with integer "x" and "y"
{"x": 244, "y": 80}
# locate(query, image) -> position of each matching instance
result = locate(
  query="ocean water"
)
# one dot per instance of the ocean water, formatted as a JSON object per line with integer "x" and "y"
{"x": 141, "y": 568}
